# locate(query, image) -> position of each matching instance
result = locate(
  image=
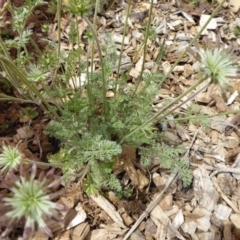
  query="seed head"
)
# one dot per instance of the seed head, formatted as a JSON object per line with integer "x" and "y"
{"x": 10, "y": 158}
{"x": 30, "y": 200}
{"x": 219, "y": 64}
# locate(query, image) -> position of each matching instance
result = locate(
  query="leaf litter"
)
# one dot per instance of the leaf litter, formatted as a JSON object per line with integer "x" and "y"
{"x": 210, "y": 208}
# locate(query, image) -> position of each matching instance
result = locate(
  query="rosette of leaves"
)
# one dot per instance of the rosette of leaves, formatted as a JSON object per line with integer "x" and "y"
{"x": 10, "y": 158}
{"x": 217, "y": 62}
{"x": 29, "y": 201}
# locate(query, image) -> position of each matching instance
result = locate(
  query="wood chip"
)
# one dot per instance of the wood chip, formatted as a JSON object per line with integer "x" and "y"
{"x": 235, "y": 218}
{"x": 222, "y": 211}
{"x": 234, "y": 5}
{"x": 108, "y": 208}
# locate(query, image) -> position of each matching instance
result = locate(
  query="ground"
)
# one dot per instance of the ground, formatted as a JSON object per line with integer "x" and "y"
{"x": 162, "y": 207}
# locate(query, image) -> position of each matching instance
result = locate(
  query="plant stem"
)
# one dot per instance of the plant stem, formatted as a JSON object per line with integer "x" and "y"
{"x": 146, "y": 37}
{"x": 43, "y": 163}
{"x": 154, "y": 118}
{"x": 144, "y": 49}
{"x": 58, "y": 165}
{"x": 182, "y": 103}
{"x": 4, "y": 97}
{"x": 104, "y": 90}
{"x": 76, "y": 175}
{"x": 91, "y": 48}
{"x": 204, "y": 117}
{"x": 79, "y": 57}
{"x": 122, "y": 43}
{"x": 89, "y": 87}
{"x": 32, "y": 89}
{"x": 35, "y": 46}
{"x": 82, "y": 174}
{"x": 59, "y": 7}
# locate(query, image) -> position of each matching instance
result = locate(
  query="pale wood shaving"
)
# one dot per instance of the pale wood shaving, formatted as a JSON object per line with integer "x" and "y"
{"x": 224, "y": 197}
{"x": 210, "y": 151}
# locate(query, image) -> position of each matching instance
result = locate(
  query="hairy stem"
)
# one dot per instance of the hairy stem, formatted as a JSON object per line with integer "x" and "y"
{"x": 59, "y": 7}
{"x": 182, "y": 103}
{"x": 32, "y": 88}
{"x": 146, "y": 37}
{"x": 124, "y": 34}
{"x": 206, "y": 116}
{"x": 155, "y": 118}
{"x": 104, "y": 90}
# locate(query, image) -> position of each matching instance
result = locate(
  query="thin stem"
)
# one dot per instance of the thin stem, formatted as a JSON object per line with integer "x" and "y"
{"x": 124, "y": 34}
{"x": 91, "y": 47}
{"x": 144, "y": 49}
{"x": 4, "y": 97}
{"x": 59, "y": 7}
{"x": 146, "y": 37}
{"x": 204, "y": 117}
{"x": 44, "y": 164}
{"x": 182, "y": 103}
{"x": 35, "y": 46}
{"x": 95, "y": 13}
{"x": 4, "y": 49}
{"x": 89, "y": 87}
{"x": 102, "y": 64}
{"x": 157, "y": 115}
{"x": 79, "y": 58}
{"x": 55, "y": 100}
{"x": 31, "y": 87}
{"x": 82, "y": 174}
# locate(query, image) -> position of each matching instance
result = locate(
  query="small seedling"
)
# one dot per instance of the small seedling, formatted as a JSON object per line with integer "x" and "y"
{"x": 30, "y": 112}
{"x": 236, "y": 31}
{"x": 194, "y": 3}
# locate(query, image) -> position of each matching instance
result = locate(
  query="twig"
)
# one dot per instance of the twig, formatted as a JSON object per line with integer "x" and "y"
{"x": 219, "y": 168}
{"x": 150, "y": 207}
{"x": 224, "y": 197}
{"x": 234, "y": 127}
{"x": 193, "y": 140}
{"x": 159, "y": 197}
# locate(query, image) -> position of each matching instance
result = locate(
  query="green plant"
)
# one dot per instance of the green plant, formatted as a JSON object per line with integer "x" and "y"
{"x": 218, "y": 64}
{"x": 10, "y": 158}
{"x": 195, "y": 3}
{"x": 3, "y": 127}
{"x": 5, "y": 85}
{"x": 93, "y": 112}
{"x": 196, "y": 117}
{"x": 236, "y": 31}
{"x": 93, "y": 127}
{"x": 30, "y": 112}
{"x": 29, "y": 196}
{"x": 29, "y": 200}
